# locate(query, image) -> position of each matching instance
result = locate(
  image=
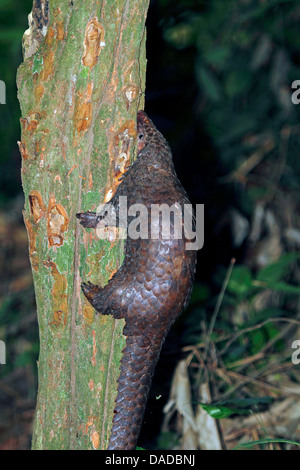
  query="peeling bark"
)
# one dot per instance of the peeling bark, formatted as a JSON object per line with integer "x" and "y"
{"x": 79, "y": 87}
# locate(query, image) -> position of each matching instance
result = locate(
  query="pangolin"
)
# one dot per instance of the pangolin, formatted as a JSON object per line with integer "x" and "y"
{"x": 154, "y": 282}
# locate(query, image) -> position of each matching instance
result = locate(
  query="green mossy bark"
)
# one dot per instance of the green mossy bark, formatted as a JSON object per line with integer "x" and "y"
{"x": 79, "y": 88}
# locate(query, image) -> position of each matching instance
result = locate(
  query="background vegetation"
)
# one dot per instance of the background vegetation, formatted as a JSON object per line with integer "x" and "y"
{"x": 219, "y": 88}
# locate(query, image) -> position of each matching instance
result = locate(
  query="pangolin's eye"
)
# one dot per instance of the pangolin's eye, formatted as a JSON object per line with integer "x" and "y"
{"x": 141, "y": 136}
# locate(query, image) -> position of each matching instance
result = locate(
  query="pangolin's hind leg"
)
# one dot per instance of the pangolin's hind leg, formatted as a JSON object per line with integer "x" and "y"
{"x": 92, "y": 293}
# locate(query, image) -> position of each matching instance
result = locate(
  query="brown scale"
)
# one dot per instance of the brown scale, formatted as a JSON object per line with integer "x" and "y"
{"x": 152, "y": 286}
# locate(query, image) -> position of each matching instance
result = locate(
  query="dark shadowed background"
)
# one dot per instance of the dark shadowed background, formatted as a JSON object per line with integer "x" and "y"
{"x": 219, "y": 79}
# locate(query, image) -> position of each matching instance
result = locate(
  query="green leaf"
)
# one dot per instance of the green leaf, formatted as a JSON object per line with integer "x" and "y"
{"x": 221, "y": 412}
{"x": 240, "y": 281}
{"x": 217, "y": 56}
{"x": 284, "y": 287}
{"x": 276, "y": 271}
{"x": 258, "y": 341}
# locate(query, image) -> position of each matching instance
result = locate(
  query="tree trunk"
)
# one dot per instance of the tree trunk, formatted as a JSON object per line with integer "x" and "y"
{"x": 79, "y": 88}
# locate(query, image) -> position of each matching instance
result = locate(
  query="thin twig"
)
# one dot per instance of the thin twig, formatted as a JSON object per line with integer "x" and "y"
{"x": 255, "y": 327}
{"x": 246, "y": 380}
{"x": 220, "y": 300}
{"x": 232, "y": 338}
